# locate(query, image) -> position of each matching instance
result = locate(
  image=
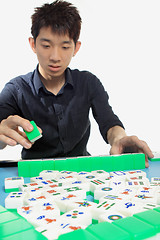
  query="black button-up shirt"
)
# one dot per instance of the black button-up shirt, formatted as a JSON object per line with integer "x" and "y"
{"x": 63, "y": 118}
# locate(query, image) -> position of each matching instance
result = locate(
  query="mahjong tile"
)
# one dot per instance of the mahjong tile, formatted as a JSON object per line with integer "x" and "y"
{"x": 121, "y": 175}
{"x": 137, "y": 184}
{"x": 15, "y": 200}
{"x": 77, "y": 190}
{"x": 49, "y": 174}
{"x": 13, "y": 182}
{"x": 99, "y": 193}
{"x": 145, "y": 198}
{"x": 115, "y": 183}
{"x": 136, "y": 173}
{"x": 128, "y": 208}
{"x": 110, "y": 216}
{"x": 27, "y": 211}
{"x": 64, "y": 199}
{"x": 102, "y": 207}
{"x": 43, "y": 218}
{"x": 81, "y": 204}
{"x": 79, "y": 216}
{"x": 101, "y": 174}
{"x": 97, "y": 184}
{"x": 36, "y": 179}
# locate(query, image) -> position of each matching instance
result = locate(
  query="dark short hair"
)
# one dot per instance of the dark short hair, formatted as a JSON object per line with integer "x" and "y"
{"x": 61, "y": 16}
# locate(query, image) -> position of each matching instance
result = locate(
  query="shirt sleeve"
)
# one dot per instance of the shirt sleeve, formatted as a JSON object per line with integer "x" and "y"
{"x": 102, "y": 111}
{"x": 8, "y": 101}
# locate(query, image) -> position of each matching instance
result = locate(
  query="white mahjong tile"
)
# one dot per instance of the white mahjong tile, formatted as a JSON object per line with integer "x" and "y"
{"x": 136, "y": 173}
{"x": 115, "y": 183}
{"x": 155, "y": 179}
{"x": 137, "y": 184}
{"x": 111, "y": 197}
{"x": 36, "y": 179}
{"x": 110, "y": 216}
{"x": 53, "y": 193}
{"x": 51, "y": 231}
{"x": 66, "y": 227}
{"x": 66, "y": 180}
{"x": 126, "y": 193}
{"x": 128, "y": 208}
{"x": 102, "y": 207}
{"x": 81, "y": 175}
{"x": 68, "y": 173}
{"x": 49, "y": 174}
{"x": 154, "y": 184}
{"x": 100, "y": 174}
{"x": 99, "y": 193}
{"x": 121, "y": 175}
{"x": 43, "y": 218}
{"x": 80, "y": 183}
{"x": 147, "y": 190}
{"x": 27, "y": 211}
{"x": 13, "y": 182}
{"x": 35, "y": 191}
{"x": 35, "y": 200}
{"x": 27, "y": 186}
{"x": 148, "y": 206}
{"x": 47, "y": 182}
{"x": 81, "y": 204}
{"x": 97, "y": 184}
{"x": 63, "y": 200}
{"x": 79, "y": 216}
{"x": 77, "y": 190}
{"x": 15, "y": 200}
{"x": 136, "y": 178}
{"x": 89, "y": 177}
{"x": 145, "y": 198}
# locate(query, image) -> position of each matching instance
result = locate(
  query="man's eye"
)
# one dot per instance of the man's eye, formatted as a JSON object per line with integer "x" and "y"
{"x": 65, "y": 48}
{"x": 46, "y": 46}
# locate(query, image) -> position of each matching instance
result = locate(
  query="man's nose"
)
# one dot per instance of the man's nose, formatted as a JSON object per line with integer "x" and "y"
{"x": 55, "y": 55}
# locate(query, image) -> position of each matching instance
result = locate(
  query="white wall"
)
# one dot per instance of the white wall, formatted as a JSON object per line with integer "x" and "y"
{"x": 120, "y": 44}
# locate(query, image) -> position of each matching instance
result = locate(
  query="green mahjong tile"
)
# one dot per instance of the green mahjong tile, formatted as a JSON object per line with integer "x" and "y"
{"x": 137, "y": 229}
{"x": 48, "y": 164}
{"x": 157, "y": 209}
{"x": 2, "y": 209}
{"x": 35, "y": 167}
{"x": 152, "y": 217}
{"x": 139, "y": 161}
{"x": 34, "y": 134}
{"x": 106, "y": 230}
{"x": 107, "y": 163}
{"x": 7, "y": 217}
{"x": 60, "y": 164}
{"x": 78, "y": 235}
{"x": 26, "y": 235}
{"x": 13, "y": 227}
{"x": 85, "y": 164}
{"x": 24, "y": 168}
{"x": 72, "y": 164}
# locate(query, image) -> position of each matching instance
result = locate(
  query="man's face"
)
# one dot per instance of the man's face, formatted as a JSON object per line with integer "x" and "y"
{"x": 54, "y": 52}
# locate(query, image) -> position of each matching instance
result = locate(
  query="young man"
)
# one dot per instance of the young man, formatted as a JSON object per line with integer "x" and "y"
{"x": 57, "y": 98}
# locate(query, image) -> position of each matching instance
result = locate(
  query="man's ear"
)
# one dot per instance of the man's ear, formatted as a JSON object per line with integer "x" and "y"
{"x": 77, "y": 47}
{"x": 32, "y": 44}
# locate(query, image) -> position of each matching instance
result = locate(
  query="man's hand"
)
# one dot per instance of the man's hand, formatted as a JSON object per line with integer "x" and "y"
{"x": 131, "y": 144}
{"x": 121, "y": 143}
{"x": 11, "y": 135}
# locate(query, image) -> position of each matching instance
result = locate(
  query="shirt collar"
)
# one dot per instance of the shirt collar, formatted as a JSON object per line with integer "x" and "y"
{"x": 39, "y": 85}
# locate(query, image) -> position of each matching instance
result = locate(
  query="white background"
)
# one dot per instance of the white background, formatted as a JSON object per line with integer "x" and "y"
{"x": 120, "y": 45}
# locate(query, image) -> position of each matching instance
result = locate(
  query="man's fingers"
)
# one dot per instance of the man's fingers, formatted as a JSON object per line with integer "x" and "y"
{"x": 16, "y": 121}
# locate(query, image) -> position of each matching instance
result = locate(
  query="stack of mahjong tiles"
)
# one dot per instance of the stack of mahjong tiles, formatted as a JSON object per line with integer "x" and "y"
{"x": 59, "y": 202}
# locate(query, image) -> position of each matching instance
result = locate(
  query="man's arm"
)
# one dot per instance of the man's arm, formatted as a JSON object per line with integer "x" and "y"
{"x": 121, "y": 143}
{"x": 10, "y": 133}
